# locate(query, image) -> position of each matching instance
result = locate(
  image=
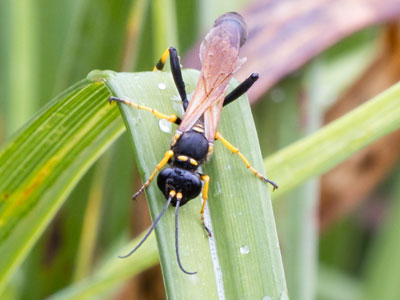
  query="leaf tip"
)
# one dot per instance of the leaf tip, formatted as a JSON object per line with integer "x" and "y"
{"x": 100, "y": 75}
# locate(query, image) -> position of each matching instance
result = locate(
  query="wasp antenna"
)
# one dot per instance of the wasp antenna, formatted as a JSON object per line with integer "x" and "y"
{"x": 151, "y": 228}
{"x": 178, "y": 202}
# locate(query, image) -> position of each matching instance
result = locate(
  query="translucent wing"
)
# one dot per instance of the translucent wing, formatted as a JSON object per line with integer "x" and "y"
{"x": 219, "y": 54}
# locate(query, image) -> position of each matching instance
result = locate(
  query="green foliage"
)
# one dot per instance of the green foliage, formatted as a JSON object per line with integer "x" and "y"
{"x": 63, "y": 223}
{"x": 41, "y": 165}
{"x": 241, "y": 215}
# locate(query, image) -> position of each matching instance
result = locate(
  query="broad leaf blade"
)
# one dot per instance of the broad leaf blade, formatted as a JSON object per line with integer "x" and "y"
{"x": 241, "y": 211}
{"x": 41, "y": 165}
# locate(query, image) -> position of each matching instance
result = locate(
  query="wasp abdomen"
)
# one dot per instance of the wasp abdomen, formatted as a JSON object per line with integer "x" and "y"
{"x": 233, "y": 21}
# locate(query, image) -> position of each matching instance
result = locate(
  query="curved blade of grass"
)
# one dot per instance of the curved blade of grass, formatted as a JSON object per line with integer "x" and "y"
{"x": 43, "y": 162}
{"x": 246, "y": 244}
{"x": 97, "y": 284}
{"x": 323, "y": 150}
{"x": 113, "y": 272}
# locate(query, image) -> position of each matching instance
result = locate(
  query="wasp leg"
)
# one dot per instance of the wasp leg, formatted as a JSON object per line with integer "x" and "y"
{"x": 161, "y": 63}
{"x": 161, "y": 164}
{"x": 177, "y": 75}
{"x": 176, "y": 72}
{"x": 204, "y": 195}
{"x": 235, "y": 150}
{"x": 241, "y": 89}
{"x": 172, "y": 118}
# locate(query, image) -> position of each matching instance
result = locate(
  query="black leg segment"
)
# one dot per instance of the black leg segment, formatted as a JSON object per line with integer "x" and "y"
{"x": 177, "y": 75}
{"x": 241, "y": 89}
{"x": 160, "y": 64}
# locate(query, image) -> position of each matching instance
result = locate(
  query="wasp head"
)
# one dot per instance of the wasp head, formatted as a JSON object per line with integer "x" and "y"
{"x": 181, "y": 181}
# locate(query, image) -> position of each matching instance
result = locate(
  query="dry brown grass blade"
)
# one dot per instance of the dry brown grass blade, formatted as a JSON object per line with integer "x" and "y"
{"x": 345, "y": 187}
{"x": 285, "y": 34}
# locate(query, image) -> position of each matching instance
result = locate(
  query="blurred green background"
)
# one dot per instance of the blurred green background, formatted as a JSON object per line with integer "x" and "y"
{"x": 338, "y": 233}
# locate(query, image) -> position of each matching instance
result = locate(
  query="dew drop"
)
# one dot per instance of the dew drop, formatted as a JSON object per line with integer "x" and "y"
{"x": 165, "y": 126}
{"x": 267, "y": 298}
{"x": 244, "y": 249}
{"x": 162, "y": 86}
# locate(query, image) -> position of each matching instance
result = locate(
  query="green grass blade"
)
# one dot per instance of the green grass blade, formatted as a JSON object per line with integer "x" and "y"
{"x": 22, "y": 86}
{"x": 165, "y": 32}
{"x": 91, "y": 221}
{"x": 113, "y": 272}
{"x": 243, "y": 224}
{"x": 333, "y": 284}
{"x": 323, "y": 150}
{"x": 134, "y": 28}
{"x": 104, "y": 281}
{"x": 43, "y": 162}
{"x": 383, "y": 262}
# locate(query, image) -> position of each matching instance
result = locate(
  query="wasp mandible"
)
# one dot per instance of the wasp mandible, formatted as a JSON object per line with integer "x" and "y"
{"x": 193, "y": 141}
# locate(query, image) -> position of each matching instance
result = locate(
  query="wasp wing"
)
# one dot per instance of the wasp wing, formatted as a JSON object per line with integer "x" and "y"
{"x": 219, "y": 54}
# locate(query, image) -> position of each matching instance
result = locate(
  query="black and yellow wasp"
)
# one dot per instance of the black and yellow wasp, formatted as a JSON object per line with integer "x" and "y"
{"x": 192, "y": 144}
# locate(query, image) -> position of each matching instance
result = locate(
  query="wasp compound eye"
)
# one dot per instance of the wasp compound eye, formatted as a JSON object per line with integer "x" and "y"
{"x": 179, "y": 180}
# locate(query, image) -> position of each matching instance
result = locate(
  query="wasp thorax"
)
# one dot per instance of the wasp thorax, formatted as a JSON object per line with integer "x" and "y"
{"x": 180, "y": 181}
{"x": 192, "y": 144}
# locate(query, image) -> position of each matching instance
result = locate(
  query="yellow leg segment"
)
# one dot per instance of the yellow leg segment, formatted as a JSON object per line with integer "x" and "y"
{"x": 162, "y": 163}
{"x": 171, "y": 118}
{"x": 235, "y": 150}
{"x": 160, "y": 64}
{"x": 206, "y": 180}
